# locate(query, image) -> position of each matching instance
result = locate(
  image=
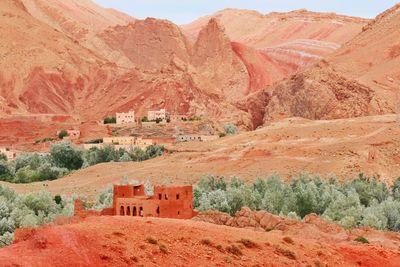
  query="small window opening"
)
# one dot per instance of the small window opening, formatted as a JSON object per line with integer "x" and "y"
{"x": 177, "y": 196}
{"x": 141, "y": 211}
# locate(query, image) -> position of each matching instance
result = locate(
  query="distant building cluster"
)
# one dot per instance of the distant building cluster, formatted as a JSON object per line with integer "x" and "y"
{"x": 159, "y": 116}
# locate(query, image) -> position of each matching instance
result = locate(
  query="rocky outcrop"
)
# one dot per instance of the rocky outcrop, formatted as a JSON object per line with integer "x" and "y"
{"x": 246, "y": 218}
{"x": 217, "y": 66}
{"x": 149, "y": 43}
{"x": 359, "y": 79}
{"x": 254, "y": 104}
{"x": 320, "y": 93}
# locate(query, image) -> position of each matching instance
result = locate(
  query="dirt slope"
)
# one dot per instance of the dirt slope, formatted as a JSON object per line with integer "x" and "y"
{"x": 122, "y": 241}
{"x": 82, "y": 21}
{"x": 361, "y": 78}
{"x": 344, "y": 147}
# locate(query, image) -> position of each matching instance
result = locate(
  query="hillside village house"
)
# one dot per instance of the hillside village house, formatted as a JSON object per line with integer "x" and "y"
{"x": 124, "y": 142}
{"x": 125, "y": 117}
{"x": 195, "y": 137}
{"x": 166, "y": 202}
{"x": 119, "y": 140}
{"x": 10, "y": 155}
{"x": 161, "y": 114}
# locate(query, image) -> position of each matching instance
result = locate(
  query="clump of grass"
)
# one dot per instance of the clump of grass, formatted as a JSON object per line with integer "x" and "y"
{"x": 118, "y": 234}
{"x": 152, "y": 240}
{"x": 248, "y": 243}
{"x": 285, "y": 252}
{"x": 288, "y": 240}
{"x": 220, "y": 248}
{"x": 361, "y": 239}
{"x": 235, "y": 250}
{"x": 207, "y": 242}
{"x": 163, "y": 248}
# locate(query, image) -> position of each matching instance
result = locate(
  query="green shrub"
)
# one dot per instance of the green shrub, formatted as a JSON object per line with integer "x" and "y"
{"x": 231, "y": 129}
{"x": 110, "y": 120}
{"x": 62, "y": 134}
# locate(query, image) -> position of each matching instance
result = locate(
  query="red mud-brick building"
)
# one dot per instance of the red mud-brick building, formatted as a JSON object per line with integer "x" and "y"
{"x": 167, "y": 202}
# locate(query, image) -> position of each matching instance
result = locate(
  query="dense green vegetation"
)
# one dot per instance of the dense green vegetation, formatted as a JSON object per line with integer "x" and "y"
{"x": 354, "y": 203}
{"x": 29, "y": 211}
{"x": 65, "y": 157}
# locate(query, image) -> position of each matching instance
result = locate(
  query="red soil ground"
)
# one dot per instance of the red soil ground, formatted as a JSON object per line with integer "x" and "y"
{"x": 130, "y": 241}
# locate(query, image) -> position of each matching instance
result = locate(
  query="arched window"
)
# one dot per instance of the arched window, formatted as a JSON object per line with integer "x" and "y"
{"x": 122, "y": 211}
{"x": 158, "y": 211}
{"x": 128, "y": 211}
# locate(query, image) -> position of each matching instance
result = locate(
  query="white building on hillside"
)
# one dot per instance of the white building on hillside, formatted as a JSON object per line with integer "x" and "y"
{"x": 125, "y": 117}
{"x": 161, "y": 114}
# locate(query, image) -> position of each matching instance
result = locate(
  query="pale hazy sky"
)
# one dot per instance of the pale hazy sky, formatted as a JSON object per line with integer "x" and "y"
{"x": 184, "y": 11}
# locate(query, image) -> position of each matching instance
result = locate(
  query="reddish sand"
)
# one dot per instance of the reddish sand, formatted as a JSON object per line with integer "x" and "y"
{"x": 124, "y": 241}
